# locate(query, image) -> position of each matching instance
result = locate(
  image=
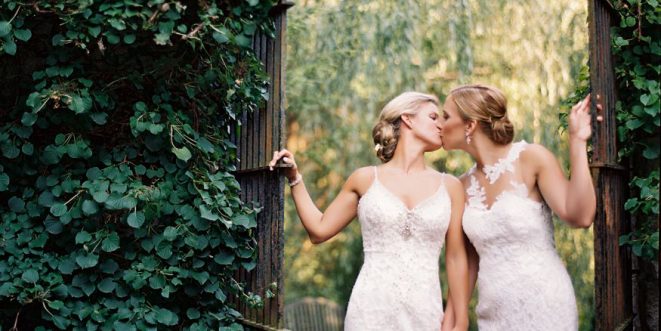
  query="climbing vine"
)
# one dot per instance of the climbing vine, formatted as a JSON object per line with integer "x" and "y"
{"x": 118, "y": 204}
{"x": 636, "y": 45}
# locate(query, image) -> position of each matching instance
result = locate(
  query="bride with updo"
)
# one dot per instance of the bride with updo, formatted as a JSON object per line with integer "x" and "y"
{"x": 407, "y": 211}
{"x": 511, "y": 191}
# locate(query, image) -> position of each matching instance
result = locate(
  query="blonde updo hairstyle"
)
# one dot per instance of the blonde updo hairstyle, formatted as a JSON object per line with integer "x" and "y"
{"x": 386, "y": 131}
{"x": 488, "y": 106}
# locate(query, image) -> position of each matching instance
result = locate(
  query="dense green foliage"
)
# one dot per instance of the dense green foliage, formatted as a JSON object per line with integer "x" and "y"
{"x": 119, "y": 208}
{"x": 347, "y": 58}
{"x": 636, "y": 45}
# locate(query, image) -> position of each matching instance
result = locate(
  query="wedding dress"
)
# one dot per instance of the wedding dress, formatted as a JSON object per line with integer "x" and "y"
{"x": 522, "y": 283}
{"x": 398, "y": 287}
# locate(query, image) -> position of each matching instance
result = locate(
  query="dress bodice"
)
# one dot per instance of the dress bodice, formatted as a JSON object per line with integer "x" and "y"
{"x": 522, "y": 283}
{"x": 398, "y": 287}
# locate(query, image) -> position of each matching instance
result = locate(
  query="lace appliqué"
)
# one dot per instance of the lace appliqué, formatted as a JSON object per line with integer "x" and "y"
{"x": 493, "y": 172}
{"x": 476, "y": 194}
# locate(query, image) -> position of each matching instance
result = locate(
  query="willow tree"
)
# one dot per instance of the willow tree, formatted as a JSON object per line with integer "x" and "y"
{"x": 347, "y": 58}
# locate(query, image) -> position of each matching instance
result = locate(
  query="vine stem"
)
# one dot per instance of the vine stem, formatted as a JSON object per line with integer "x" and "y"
{"x": 15, "y": 327}
{"x": 15, "y": 14}
{"x": 74, "y": 197}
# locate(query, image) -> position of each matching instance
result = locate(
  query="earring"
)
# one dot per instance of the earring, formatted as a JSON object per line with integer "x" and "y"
{"x": 468, "y": 139}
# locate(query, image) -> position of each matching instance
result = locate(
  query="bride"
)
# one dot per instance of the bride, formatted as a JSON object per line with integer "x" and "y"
{"x": 406, "y": 211}
{"x": 511, "y": 191}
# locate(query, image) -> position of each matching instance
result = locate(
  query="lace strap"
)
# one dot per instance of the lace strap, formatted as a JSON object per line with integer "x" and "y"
{"x": 493, "y": 172}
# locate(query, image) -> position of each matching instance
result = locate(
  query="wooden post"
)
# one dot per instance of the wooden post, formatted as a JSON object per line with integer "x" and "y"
{"x": 261, "y": 133}
{"x": 613, "y": 303}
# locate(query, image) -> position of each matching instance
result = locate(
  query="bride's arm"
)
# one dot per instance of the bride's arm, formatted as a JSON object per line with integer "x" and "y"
{"x": 473, "y": 268}
{"x": 319, "y": 225}
{"x": 573, "y": 200}
{"x": 456, "y": 259}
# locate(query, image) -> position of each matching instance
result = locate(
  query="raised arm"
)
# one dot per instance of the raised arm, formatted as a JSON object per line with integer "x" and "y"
{"x": 456, "y": 259}
{"x": 319, "y": 225}
{"x": 573, "y": 200}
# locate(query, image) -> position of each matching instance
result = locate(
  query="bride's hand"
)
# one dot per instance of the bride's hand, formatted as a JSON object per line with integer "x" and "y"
{"x": 580, "y": 121}
{"x": 288, "y": 158}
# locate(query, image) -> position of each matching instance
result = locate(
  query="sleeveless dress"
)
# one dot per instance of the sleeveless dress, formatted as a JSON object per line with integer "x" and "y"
{"x": 398, "y": 286}
{"x": 522, "y": 283}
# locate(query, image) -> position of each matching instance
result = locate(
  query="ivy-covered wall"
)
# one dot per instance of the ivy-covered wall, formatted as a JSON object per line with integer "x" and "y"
{"x": 118, "y": 205}
{"x": 636, "y": 45}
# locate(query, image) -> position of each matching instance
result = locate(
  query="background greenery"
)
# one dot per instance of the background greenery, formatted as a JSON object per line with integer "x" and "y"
{"x": 347, "y": 58}
{"x": 119, "y": 208}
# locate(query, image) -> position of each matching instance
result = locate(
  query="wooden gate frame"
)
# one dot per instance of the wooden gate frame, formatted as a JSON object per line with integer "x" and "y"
{"x": 260, "y": 134}
{"x": 263, "y": 132}
{"x": 612, "y": 295}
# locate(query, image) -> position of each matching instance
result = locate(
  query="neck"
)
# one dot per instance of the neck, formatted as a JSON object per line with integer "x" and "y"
{"x": 409, "y": 156}
{"x": 485, "y": 151}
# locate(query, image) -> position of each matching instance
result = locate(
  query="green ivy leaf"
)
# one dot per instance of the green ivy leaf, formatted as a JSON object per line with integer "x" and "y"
{"x": 83, "y": 237}
{"x": 10, "y": 151}
{"x": 23, "y": 35}
{"x": 16, "y": 204}
{"x": 192, "y": 313}
{"x": 30, "y": 276}
{"x": 110, "y": 243}
{"x": 206, "y": 213}
{"x": 107, "y": 285}
{"x": 53, "y": 225}
{"x": 166, "y": 317}
{"x": 183, "y": 153}
{"x": 58, "y": 209}
{"x": 129, "y": 39}
{"x": 136, "y": 219}
{"x": 87, "y": 260}
{"x": 28, "y": 119}
{"x": 9, "y": 47}
{"x": 224, "y": 258}
{"x": 246, "y": 221}
{"x": 4, "y": 182}
{"x": 164, "y": 249}
{"x": 80, "y": 104}
{"x": 94, "y": 31}
{"x": 90, "y": 207}
{"x": 5, "y": 28}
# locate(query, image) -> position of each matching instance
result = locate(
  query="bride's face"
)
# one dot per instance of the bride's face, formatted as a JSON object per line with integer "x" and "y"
{"x": 452, "y": 126}
{"x": 425, "y": 125}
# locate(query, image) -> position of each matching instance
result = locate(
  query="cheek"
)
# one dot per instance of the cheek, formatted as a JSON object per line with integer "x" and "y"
{"x": 452, "y": 128}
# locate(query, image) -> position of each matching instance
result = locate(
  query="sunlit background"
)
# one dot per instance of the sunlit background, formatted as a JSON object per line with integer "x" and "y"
{"x": 345, "y": 59}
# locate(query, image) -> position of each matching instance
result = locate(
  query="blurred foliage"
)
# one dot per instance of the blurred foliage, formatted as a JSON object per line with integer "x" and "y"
{"x": 118, "y": 204}
{"x": 347, "y": 58}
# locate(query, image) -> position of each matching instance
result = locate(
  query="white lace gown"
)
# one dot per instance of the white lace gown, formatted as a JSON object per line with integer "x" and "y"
{"x": 522, "y": 283}
{"x": 398, "y": 287}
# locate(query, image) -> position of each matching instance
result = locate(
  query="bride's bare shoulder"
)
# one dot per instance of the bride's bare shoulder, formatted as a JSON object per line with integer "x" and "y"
{"x": 360, "y": 180}
{"x": 537, "y": 156}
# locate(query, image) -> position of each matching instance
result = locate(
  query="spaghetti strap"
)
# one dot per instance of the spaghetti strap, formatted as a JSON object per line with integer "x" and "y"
{"x": 376, "y": 176}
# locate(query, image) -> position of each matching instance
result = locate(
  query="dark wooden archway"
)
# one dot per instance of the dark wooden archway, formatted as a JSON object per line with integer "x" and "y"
{"x": 613, "y": 300}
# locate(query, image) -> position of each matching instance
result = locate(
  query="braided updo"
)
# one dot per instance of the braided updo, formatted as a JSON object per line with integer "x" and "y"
{"x": 386, "y": 131}
{"x": 488, "y": 106}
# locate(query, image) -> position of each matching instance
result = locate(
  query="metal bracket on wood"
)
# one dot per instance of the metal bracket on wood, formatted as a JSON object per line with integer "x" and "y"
{"x": 609, "y": 165}
{"x": 263, "y": 168}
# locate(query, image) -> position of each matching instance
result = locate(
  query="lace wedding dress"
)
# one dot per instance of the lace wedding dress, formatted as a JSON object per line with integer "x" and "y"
{"x": 398, "y": 287}
{"x": 522, "y": 283}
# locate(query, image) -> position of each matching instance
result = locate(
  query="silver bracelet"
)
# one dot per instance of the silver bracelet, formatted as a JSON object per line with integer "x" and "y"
{"x": 296, "y": 181}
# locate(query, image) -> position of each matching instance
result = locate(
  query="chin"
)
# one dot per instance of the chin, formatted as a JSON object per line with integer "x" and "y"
{"x": 449, "y": 147}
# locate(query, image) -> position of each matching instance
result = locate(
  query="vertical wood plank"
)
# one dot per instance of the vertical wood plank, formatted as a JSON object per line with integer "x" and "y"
{"x": 613, "y": 306}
